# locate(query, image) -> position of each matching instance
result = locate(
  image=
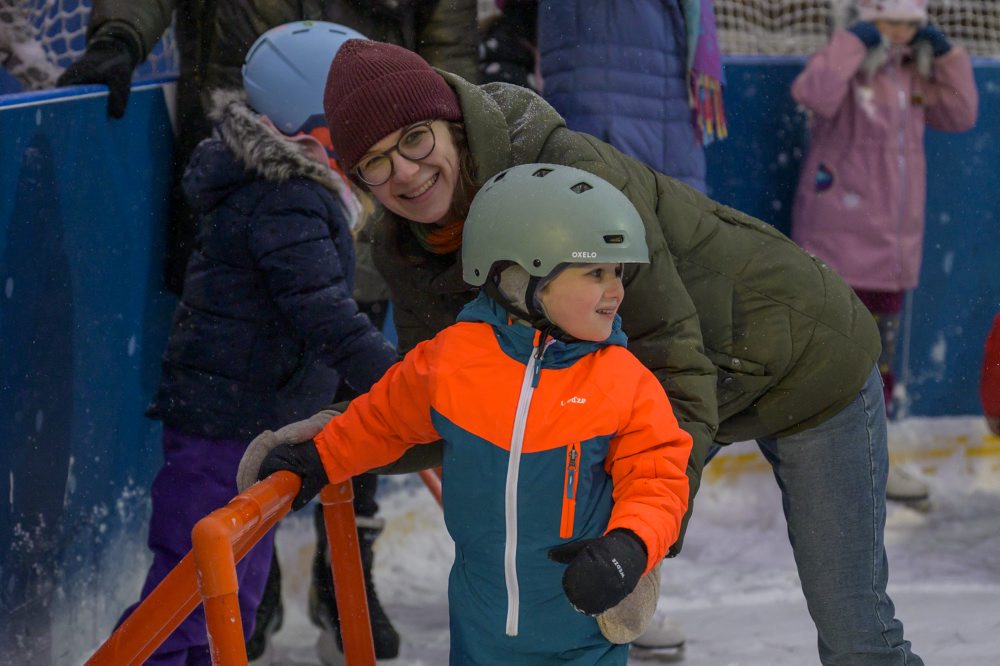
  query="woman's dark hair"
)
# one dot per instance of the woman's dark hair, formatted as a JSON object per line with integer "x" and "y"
{"x": 467, "y": 185}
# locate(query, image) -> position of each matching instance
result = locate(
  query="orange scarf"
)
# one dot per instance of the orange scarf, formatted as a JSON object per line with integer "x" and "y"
{"x": 439, "y": 240}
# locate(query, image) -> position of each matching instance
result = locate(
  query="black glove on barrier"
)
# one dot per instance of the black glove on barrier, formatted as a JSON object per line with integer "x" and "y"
{"x": 601, "y": 571}
{"x": 109, "y": 59}
{"x": 302, "y": 459}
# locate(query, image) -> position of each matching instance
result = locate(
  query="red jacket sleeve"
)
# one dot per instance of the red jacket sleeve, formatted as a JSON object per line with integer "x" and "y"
{"x": 379, "y": 426}
{"x": 989, "y": 386}
{"x": 647, "y": 462}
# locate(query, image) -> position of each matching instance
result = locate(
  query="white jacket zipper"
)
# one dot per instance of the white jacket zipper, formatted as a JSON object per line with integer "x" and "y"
{"x": 528, "y": 385}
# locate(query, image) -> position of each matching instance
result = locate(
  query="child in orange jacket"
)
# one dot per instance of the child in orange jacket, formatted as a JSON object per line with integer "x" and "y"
{"x": 564, "y": 466}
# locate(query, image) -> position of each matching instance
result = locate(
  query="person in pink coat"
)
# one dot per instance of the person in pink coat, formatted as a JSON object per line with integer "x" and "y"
{"x": 860, "y": 201}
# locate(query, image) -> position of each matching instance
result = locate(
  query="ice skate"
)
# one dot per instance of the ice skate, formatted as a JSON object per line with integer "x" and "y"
{"x": 907, "y": 489}
{"x": 662, "y": 641}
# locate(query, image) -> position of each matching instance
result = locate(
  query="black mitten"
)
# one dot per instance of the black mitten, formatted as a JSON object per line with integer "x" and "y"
{"x": 931, "y": 34}
{"x": 601, "y": 571}
{"x": 867, "y": 33}
{"x": 302, "y": 459}
{"x": 109, "y": 59}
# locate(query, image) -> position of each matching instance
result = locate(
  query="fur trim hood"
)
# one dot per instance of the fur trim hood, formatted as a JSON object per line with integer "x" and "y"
{"x": 262, "y": 149}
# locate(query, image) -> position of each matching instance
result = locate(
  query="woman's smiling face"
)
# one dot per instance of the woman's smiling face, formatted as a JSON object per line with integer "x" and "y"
{"x": 420, "y": 190}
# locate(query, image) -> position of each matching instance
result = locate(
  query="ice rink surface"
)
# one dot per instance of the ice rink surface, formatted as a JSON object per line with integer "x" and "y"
{"x": 734, "y": 588}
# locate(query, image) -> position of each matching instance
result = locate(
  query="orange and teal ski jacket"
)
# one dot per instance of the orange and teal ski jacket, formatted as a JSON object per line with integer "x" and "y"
{"x": 542, "y": 446}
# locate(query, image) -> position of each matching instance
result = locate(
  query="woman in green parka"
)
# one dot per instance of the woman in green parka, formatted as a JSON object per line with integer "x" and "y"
{"x": 751, "y": 337}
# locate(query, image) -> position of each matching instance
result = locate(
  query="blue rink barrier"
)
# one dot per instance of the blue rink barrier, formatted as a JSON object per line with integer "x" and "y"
{"x": 940, "y": 350}
{"x": 83, "y": 321}
{"x": 84, "y": 318}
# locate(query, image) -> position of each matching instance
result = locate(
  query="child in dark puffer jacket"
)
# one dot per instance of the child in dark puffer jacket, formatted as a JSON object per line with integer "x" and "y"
{"x": 266, "y": 327}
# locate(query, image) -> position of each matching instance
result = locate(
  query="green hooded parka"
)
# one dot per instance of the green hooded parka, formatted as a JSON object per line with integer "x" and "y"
{"x": 749, "y": 335}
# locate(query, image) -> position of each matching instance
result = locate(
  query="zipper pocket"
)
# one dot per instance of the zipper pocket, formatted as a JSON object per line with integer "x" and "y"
{"x": 570, "y": 481}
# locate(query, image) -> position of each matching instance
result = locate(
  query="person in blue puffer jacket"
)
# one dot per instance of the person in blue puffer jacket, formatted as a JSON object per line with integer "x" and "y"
{"x": 266, "y": 327}
{"x": 618, "y": 71}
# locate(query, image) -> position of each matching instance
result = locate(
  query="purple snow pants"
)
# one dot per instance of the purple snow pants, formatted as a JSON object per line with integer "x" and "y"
{"x": 198, "y": 476}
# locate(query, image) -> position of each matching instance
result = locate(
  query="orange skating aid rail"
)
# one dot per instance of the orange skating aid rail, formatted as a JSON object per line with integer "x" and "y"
{"x": 207, "y": 575}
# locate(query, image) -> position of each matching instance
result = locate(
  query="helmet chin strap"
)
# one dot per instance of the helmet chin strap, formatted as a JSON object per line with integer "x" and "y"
{"x": 531, "y": 314}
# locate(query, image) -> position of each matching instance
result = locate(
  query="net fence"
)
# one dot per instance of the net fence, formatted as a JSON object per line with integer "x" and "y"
{"x": 40, "y": 38}
{"x": 797, "y": 27}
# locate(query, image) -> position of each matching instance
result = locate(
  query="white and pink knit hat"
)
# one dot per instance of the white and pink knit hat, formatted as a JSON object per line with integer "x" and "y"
{"x": 899, "y": 10}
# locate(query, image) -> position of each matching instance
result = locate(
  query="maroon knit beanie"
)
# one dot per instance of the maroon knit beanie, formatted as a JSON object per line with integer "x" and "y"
{"x": 374, "y": 89}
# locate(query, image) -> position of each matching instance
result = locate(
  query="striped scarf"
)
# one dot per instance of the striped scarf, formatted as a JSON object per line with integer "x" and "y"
{"x": 705, "y": 76}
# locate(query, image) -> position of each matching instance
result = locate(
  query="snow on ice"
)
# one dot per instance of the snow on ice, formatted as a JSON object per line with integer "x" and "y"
{"x": 734, "y": 589}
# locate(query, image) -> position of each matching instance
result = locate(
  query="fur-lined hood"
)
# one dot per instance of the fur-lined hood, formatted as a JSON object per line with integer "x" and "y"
{"x": 243, "y": 147}
{"x": 262, "y": 149}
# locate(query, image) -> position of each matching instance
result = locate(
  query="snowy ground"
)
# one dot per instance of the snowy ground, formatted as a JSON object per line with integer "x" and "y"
{"x": 734, "y": 588}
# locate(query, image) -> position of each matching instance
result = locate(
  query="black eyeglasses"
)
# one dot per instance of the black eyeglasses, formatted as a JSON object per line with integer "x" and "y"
{"x": 416, "y": 143}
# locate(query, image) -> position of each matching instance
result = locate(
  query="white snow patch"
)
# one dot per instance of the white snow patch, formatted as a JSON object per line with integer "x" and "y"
{"x": 734, "y": 588}
{"x": 939, "y": 350}
{"x": 948, "y": 262}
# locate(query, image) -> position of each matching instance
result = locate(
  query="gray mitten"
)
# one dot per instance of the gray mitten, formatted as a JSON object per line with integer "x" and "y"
{"x": 630, "y": 618}
{"x": 265, "y": 442}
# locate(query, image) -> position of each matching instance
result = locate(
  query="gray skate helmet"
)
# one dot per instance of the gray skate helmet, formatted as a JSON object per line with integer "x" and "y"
{"x": 543, "y": 217}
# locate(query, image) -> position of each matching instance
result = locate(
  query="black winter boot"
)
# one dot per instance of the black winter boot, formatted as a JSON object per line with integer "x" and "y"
{"x": 323, "y": 604}
{"x": 270, "y": 613}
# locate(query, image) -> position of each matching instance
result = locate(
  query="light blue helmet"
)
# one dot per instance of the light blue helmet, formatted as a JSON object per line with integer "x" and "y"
{"x": 285, "y": 70}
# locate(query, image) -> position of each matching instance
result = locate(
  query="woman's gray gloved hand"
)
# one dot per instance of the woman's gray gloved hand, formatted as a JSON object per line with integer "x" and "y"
{"x": 630, "y": 618}
{"x": 265, "y": 442}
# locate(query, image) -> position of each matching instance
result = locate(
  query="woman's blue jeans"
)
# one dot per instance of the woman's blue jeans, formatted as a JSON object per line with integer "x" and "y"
{"x": 832, "y": 479}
